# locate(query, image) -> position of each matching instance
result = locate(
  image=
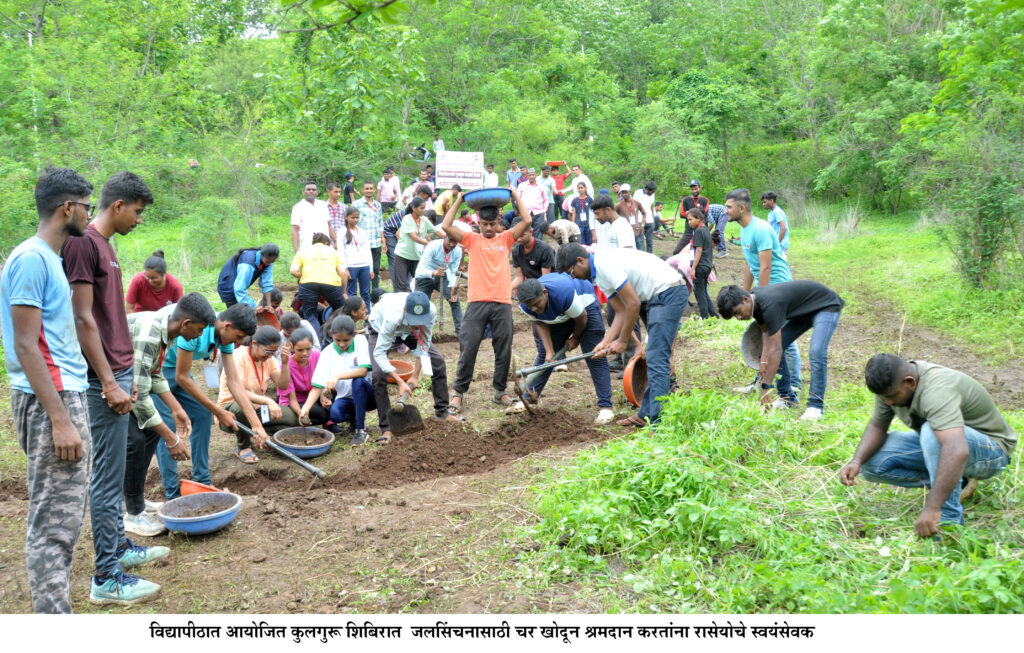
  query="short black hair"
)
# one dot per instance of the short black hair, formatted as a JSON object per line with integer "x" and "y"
{"x": 650, "y": 187}
{"x": 266, "y": 335}
{"x": 270, "y": 250}
{"x": 240, "y": 316}
{"x": 332, "y": 185}
{"x": 424, "y": 189}
{"x": 729, "y": 298}
{"x": 196, "y": 307}
{"x": 602, "y": 202}
{"x": 56, "y": 186}
{"x": 352, "y": 304}
{"x": 568, "y": 254}
{"x": 321, "y": 238}
{"x": 290, "y": 320}
{"x": 376, "y": 294}
{"x": 769, "y": 195}
{"x": 530, "y": 289}
{"x": 883, "y": 372}
{"x": 156, "y": 262}
{"x": 300, "y": 334}
{"x": 276, "y": 295}
{"x": 740, "y": 196}
{"x": 456, "y": 187}
{"x": 126, "y": 186}
{"x": 342, "y": 324}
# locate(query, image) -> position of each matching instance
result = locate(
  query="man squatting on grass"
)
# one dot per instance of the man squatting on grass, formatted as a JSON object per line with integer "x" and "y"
{"x": 958, "y": 436}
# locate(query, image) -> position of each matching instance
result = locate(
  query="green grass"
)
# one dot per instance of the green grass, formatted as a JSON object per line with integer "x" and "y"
{"x": 902, "y": 259}
{"x": 724, "y": 510}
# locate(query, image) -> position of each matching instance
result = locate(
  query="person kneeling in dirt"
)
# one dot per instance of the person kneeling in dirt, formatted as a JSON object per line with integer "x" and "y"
{"x": 566, "y": 312}
{"x": 342, "y": 371}
{"x": 256, "y": 365}
{"x": 230, "y": 329}
{"x": 958, "y": 436}
{"x": 628, "y": 278}
{"x": 408, "y": 317}
{"x": 784, "y": 311}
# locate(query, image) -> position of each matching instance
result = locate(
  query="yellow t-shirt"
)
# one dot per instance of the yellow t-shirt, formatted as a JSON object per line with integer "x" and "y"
{"x": 319, "y": 264}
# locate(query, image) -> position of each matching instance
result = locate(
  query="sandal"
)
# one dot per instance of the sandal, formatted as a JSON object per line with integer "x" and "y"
{"x": 454, "y": 418}
{"x": 633, "y": 420}
{"x": 504, "y": 399}
{"x": 452, "y": 408}
{"x": 383, "y": 438}
{"x": 247, "y": 458}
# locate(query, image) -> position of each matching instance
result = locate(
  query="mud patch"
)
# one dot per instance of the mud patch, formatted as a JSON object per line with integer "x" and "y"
{"x": 304, "y": 438}
{"x": 13, "y": 490}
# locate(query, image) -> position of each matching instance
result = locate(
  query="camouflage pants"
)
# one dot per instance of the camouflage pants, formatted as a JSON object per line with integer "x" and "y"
{"x": 57, "y": 493}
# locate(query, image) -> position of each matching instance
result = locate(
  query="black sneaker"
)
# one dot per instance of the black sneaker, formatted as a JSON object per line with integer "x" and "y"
{"x": 359, "y": 437}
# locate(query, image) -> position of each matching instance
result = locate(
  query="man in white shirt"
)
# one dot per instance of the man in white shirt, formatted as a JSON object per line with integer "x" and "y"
{"x": 614, "y": 231}
{"x": 438, "y": 144}
{"x": 310, "y": 216}
{"x": 645, "y": 196}
{"x": 629, "y": 279}
{"x": 490, "y": 177}
{"x": 579, "y": 178}
{"x": 408, "y": 317}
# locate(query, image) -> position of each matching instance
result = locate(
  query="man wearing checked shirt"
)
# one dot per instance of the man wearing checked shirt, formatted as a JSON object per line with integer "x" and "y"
{"x": 371, "y": 223}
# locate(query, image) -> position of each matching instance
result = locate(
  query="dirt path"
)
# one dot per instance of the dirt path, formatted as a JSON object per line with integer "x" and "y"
{"x": 433, "y": 522}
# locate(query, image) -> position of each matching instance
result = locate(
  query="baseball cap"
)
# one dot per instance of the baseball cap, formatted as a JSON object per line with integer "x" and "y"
{"x": 623, "y": 187}
{"x": 694, "y": 182}
{"x": 349, "y": 174}
{"x": 417, "y": 309}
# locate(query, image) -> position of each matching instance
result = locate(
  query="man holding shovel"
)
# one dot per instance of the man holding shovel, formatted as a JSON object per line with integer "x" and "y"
{"x": 407, "y": 318}
{"x": 566, "y": 313}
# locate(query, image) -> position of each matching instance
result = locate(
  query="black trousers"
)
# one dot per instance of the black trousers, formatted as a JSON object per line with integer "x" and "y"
{"x": 375, "y": 253}
{"x": 438, "y": 380}
{"x": 309, "y": 300}
{"x": 141, "y": 448}
{"x": 478, "y": 316}
{"x": 700, "y": 289}
{"x": 401, "y": 276}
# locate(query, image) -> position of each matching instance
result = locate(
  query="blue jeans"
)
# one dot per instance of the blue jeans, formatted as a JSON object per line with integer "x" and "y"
{"x": 106, "y": 489}
{"x": 361, "y": 277}
{"x": 353, "y": 408}
{"x": 912, "y": 459}
{"x": 592, "y": 334}
{"x": 199, "y": 441}
{"x": 648, "y": 236}
{"x": 664, "y": 312}
{"x": 824, "y": 325}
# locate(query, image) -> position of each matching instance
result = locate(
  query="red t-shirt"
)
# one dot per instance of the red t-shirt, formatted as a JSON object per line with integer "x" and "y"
{"x": 489, "y": 279}
{"x": 90, "y": 259}
{"x": 560, "y": 182}
{"x": 142, "y": 297}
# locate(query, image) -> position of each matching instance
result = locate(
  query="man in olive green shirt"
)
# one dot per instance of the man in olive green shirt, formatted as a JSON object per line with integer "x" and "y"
{"x": 958, "y": 434}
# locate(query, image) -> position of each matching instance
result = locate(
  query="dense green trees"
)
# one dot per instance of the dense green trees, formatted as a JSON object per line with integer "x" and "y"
{"x": 900, "y": 103}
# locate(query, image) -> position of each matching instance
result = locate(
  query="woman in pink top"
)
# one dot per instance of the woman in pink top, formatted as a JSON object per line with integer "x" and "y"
{"x": 302, "y": 365}
{"x": 153, "y": 288}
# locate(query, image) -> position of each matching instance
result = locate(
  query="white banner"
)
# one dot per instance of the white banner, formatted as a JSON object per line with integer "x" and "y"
{"x": 463, "y": 168}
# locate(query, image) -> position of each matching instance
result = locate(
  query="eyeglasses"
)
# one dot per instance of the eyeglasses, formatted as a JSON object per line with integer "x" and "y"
{"x": 90, "y": 209}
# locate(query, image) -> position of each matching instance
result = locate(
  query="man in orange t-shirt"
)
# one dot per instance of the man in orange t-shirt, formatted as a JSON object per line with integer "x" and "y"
{"x": 490, "y": 296}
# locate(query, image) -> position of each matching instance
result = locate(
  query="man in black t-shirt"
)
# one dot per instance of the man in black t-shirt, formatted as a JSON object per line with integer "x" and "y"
{"x": 694, "y": 201}
{"x": 531, "y": 259}
{"x": 785, "y": 311}
{"x": 349, "y": 190}
{"x": 703, "y": 259}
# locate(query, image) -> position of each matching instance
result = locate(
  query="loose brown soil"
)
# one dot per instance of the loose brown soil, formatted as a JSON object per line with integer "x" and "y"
{"x": 201, "y": 511}
{"x": 307, "y": 438}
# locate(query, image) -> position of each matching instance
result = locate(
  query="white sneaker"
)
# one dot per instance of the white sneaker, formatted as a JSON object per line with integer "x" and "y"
{"x": 604, "y": 416}
{"x": 143, "y": 525}
{"x": 781, "y": 404}
{"x": 517, "y": 407}
{"x": 745, "y": 389}
{"x": 811, "y": 414}
{"x": 562, "y": 368}
{"x": 153, "y": 506}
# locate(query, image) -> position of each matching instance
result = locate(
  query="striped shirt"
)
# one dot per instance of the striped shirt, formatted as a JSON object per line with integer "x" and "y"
{"x": 149, "y": 342}
{"x": 392, "y": 224}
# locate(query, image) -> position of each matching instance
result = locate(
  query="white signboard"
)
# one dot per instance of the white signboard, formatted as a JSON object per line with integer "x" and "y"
{"x": 463, "y": 168}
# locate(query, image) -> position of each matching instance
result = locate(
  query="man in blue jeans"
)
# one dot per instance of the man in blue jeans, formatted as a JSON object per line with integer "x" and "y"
{"x": 784, "y": 311}
{"x": 958, "y": 436}
{"x": 630, "y": 278}
{"x": 220, "y": 338}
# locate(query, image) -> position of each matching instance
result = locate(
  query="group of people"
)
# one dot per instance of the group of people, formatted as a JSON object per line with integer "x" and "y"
{"x": 96, "y": 381}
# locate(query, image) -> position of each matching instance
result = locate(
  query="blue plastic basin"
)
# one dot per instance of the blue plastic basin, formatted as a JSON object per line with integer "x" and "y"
{"x": 478, "y": 199}
{"x": 305, "y": 451}
{"x": 227, "y": 504}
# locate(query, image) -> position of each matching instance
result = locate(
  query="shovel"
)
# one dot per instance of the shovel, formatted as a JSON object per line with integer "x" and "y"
{"x": 528, "y": 375}
{"x": 404, "y": 417}
{"x": 315, "y": 471}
